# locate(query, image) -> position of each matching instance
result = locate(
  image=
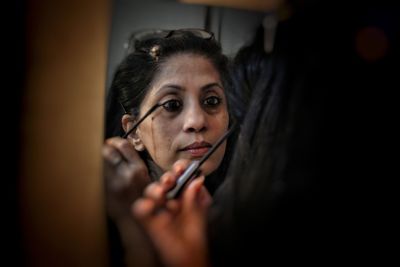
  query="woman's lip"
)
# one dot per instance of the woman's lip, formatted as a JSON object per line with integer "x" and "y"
{"x": 197, "y": 145}
{"x": 197, "y": 152}
{"x": 196, "y": 149}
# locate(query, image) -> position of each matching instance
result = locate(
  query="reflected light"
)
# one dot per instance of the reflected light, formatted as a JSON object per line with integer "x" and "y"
{"x": 371, "y": 44}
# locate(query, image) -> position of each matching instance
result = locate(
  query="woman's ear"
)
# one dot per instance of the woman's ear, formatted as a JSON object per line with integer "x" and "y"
{"x": 127, "y": 122}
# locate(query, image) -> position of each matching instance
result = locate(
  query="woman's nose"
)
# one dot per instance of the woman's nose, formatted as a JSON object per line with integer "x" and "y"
{"x": 195, "y": 119}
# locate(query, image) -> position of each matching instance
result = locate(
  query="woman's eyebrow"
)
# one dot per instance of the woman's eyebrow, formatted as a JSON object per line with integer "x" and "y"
{"x": 210, "y": 85}
{"x": 169, "y": 86}
{"x": 180, "y": 88}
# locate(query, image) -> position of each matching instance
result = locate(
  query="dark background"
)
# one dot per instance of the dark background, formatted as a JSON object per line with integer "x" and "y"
{"x": 370, "y": 93}
{"x": 232, "y": 27}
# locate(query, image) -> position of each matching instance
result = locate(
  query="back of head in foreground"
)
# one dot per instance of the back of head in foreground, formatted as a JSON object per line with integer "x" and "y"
{"x": 289, "y": 192}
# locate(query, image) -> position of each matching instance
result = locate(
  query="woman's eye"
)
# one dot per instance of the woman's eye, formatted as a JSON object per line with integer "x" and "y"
{"x": 212, "y": 101}
{"x": 172, "y": 105}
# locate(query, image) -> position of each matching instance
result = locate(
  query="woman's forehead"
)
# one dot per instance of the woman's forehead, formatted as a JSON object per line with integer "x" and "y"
{"x": 187, "y": 63}
{"x": 187, "y": 70}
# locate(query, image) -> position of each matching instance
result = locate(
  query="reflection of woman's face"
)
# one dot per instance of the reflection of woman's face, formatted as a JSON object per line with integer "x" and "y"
{"x": 193, "y": 119}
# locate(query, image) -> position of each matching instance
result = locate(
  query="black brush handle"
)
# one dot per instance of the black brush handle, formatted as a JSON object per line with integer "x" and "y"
{"x": 189, "y": 173}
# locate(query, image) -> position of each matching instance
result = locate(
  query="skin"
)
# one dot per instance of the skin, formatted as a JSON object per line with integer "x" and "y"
{"x": 126, "y": 176}
{"x": 196, "y": 111}
{"x": 176, "y": 227}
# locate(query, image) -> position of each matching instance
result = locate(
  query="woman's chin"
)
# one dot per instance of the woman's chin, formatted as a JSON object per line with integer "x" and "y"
{"x": 207, "y": 168}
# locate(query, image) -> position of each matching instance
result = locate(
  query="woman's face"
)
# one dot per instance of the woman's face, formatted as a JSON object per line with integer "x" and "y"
{"x": 194, "y": 117}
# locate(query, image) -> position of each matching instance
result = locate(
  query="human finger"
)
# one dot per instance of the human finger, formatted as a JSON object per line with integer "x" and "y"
{"x": 143, "y": 208}
{"x": 180, "y": 166}
{"x": 191, "y": 194}
{"x": 173, "y": 206}
{"x": 111, "y": 155}
{"x": 155, "y": 191}
{"x": 168, "y": 179}
{"x": 196, "y": 196}
{"x": 151, "y": 216}
{"x": 126, "y": 149}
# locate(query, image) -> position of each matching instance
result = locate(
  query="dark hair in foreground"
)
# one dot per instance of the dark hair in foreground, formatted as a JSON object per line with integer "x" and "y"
{"x": 305, "y": 140}
{"x": 250, "y": 67}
